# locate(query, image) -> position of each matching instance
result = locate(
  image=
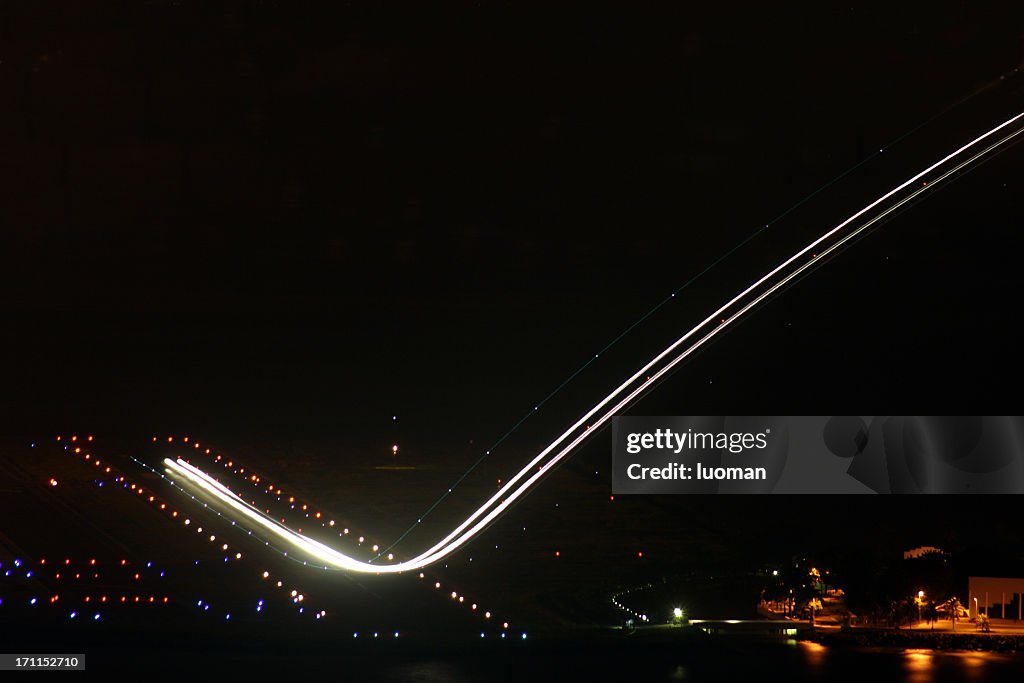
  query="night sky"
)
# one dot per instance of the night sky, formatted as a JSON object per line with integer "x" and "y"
{"x": 298, "y": 220}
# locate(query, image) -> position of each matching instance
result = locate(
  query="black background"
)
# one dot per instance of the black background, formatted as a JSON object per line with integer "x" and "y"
{"x": 302, "y": 219}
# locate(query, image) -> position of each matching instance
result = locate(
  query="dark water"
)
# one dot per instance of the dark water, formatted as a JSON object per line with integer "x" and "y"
{"x": 732, "y": 660}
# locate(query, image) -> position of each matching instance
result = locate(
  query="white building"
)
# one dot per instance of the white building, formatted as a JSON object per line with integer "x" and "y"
{"x": 995, "y": 597}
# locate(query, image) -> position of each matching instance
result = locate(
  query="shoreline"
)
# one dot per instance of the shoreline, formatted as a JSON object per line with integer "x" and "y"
{"x": 931, "y": 640}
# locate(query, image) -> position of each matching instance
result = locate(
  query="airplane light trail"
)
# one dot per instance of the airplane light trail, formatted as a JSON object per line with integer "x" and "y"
{"x": 711, "y": 326}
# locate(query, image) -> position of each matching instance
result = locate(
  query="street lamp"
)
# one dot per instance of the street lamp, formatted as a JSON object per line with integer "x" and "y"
{"x": 920, "y": 602}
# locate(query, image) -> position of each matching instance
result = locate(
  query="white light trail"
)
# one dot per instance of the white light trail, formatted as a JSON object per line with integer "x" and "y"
{"x": 516, "y": 487}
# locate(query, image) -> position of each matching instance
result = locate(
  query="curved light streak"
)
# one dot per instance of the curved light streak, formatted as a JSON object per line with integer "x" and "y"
{"x": 492, "y": 508}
